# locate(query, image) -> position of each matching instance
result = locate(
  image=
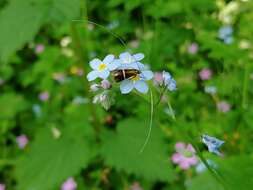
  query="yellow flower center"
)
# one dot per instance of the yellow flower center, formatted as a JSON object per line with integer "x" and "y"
{"x": 135, "y": 78}
{"x": 102, "y": 66}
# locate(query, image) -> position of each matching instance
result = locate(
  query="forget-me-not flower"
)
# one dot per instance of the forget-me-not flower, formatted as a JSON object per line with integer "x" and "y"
{"x": 128, "y": 61}
{"x": 101, "y": 69}
{"x": 137, "y": 82}
{"x": 212, "y": 144}
{"x": 226, "y": 34}
{"x": 169, "y": 82}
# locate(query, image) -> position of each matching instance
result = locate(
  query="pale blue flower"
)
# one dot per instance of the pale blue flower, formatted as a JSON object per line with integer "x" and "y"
{"x": 101, "y": 69}
{"x": 128, "y": 61}
{"x": 210, "y": 89}
{"x": 212, "y": 143}
{"x": 137, "y": 82}
{"x": 225, "y": 34}
{"x": 169, "y": 82}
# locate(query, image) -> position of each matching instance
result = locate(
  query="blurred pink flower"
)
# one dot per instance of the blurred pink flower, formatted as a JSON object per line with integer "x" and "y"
{"x": 39, "y": 48}
{"x": 193, "y": 48}
{"x": 205, "y": 74}
{"x": 185, "y": 156}
{"x": 158, "y": 78}
{"x": 69, "y": 184}
{"x": 22, "y": 141}
{"x": 2, "y": 186}
{"x": 135, "y": 186}
{"x": 44, "y": 96}
{"x": 223, "y": 106}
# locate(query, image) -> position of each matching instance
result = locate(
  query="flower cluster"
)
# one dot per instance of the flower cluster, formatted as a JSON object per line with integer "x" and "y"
{"x": 129, "y": 72}
{"x": 135, "y": 79}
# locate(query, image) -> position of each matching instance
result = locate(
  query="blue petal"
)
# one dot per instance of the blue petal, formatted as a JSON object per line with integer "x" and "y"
{"x": 124, "y": 55}
{"x": 94, "y": 64}
{"x": 126, "y": 86}
{"x": 147, "y": 75}
{"x": 92, "y": 75}
{"x": 138, "y": 56}
{"x": 141, "y": 86}
{"x": 104, "y": 74}
{"x": 108, "y": 59}
{"x": 114, "y": 65}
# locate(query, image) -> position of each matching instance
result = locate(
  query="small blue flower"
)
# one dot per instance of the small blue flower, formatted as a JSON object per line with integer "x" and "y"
{"x": 210, "y": 89}
{"x": 225, "y": 34}
{"x": 212, "y": 143}
{"x": 169, "y": 82}
{"x": 128, "y": 61}
{"x": 101, "y": 69}
{"x": 137, "y": 82}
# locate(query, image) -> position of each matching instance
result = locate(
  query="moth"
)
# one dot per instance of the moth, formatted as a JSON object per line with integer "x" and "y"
{"x": 122, "y": 74}
{"x": 212, "y": 143}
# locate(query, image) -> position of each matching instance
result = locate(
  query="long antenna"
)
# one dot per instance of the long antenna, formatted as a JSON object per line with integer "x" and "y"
{"x": 104, "y": 28}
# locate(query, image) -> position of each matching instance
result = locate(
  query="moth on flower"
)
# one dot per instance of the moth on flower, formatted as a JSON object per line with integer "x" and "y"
{"x": 131, "y": 73}
{"x": 136, "y": 82}
{"x": 212, "y": 143}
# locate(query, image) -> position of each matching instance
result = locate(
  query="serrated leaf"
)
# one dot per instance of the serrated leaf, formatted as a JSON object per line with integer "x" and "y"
{"x": 50, "y": 161}
{"x": 21, "y": 20}
{"x": 122, "y": 151}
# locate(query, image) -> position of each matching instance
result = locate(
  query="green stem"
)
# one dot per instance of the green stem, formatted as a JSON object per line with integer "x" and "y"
{"x": 171, "y": 110}
{"x": 82, "y": 57}
{"x": 245, "y": 87}
{"x": 161, "y": 96}
{"x": 150, "y": 122}
{"x": 212, "y": 171}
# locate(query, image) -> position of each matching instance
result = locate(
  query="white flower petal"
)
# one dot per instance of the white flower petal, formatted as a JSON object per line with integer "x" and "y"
{"x": 126, "y": 86}
{"x": 103, "y": 74}
{"x": 114, "y": 65}
{"x": 138, "y": 56}
{"x": 94, "y": 64}
{"x": 92, "y": 75}
{"x": 141, "y": 86}
{"x": 147, "y": 75}
{"x": 108, "y": 59}
{"x": 125, "y": 55}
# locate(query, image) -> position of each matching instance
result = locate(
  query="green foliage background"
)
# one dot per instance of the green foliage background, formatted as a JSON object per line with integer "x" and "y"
{"x": 99, "y": 148}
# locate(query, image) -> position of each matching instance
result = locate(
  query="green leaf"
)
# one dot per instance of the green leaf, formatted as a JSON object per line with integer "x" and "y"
{"x": 122, "y": 151}
{"x": 236, "y": 173}
{"x": 21, "y": 20}
{"x": 51, "y": 160}
{"x": 10, "y": 105}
